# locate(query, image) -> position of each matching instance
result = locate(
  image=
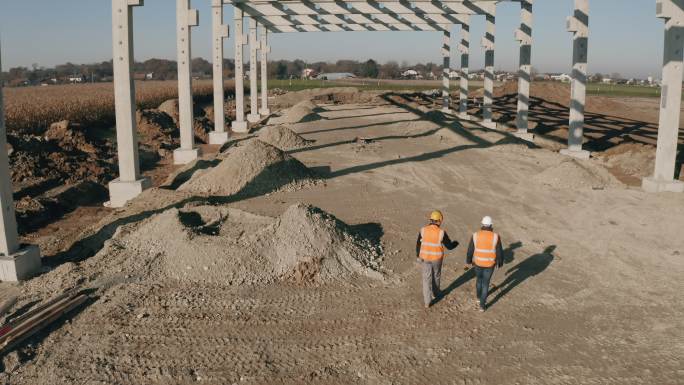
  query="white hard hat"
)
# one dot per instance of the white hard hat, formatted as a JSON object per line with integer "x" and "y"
{"x": 487, "y": 222}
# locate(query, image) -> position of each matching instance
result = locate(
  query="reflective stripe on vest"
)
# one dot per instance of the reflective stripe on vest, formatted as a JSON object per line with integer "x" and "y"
{"x": 485, "y": 248}
{"x": 431, "y": 248}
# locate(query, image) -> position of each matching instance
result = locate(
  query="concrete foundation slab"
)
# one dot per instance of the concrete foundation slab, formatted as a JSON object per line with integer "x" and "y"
{"x": 653, "y": 185}
{"x": 121, "y": 192}
{"x": 526, "y": 136}
{"x": 185, "y": 156}
{"x": 253, "y": 118}
{"x": 241, "y": 127}
{"x": 579, "y": 154}
{"x": 21, "y": 265}
{"x": 447, "y": 110}
{"x": 218, "y": 137}
{"x": 265, "y": 112}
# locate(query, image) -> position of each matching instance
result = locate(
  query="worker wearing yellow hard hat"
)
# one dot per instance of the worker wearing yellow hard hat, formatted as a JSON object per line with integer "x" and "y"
{"x": 430, "y": 248}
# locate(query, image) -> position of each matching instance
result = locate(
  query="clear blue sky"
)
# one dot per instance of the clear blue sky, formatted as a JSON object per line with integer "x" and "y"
{"x": 625, "y": 36}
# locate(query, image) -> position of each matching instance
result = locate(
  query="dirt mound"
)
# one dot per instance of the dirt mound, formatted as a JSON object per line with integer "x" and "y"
{"x": 283, "y": 138}
{"x": 632, "y": 159}
{"x": 309, "y": 243}
{"x": 302, "y": 112}
{"x": 576, "y": 174}
{"x": 170, "y": 108}
{"x": 232, "y": 247}
{"x": 253, "y": 168}
{"x": 326, "y": 95}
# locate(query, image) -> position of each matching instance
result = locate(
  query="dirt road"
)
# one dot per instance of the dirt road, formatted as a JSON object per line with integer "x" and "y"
{"x": 590, "y": 292}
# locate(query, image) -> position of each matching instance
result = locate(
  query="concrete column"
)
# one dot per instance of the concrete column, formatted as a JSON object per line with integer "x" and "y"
{"x": 446, "y": 54}
{"x": 670, "y": 106}
{"x": 253, "y": 116}
{"x": 16, "y": 262}
{"x": 130, "y": 183}
{"x": 220, "y": 32}
{"x": 579, "y": 26}
{"x": 488, "y": 45}
{"x": 186, "y": 18}
{"x": 464, "y": 48}
{"x": 265, "y": 50}
{"x": 524, "y": 36}
{"x": 239, "y": 124}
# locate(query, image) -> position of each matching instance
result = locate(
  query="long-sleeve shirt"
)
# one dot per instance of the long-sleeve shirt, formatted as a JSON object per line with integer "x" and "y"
{"x": 448, "y": 243}
{"x": 499, "y": 252}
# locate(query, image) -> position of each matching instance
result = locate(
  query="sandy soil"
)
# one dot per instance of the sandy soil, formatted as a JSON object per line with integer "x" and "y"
{"x": 590, "y": 293}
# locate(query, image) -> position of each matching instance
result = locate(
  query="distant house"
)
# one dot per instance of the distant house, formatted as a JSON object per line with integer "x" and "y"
{"x": 454, "y": 75}
{"x": 309, "y": 73}
{"x": 410, "y": 74}
{"x": 76, "y": 79}
{"x": 565, "y": 78}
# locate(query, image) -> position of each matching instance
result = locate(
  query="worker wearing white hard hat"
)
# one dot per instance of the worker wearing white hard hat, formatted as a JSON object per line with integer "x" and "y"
{"x": 486, "y": 253}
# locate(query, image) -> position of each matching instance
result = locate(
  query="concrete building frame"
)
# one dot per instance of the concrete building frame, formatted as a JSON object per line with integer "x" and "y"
{"x": 270, "y": 16}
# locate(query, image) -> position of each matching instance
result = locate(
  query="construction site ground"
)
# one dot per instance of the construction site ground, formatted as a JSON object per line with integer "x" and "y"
{"x": 590, "y": 292}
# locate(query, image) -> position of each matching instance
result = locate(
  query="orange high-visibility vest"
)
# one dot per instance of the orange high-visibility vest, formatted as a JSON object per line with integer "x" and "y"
{"x": 431, "y": 247}
{"x": 485, "y": 248}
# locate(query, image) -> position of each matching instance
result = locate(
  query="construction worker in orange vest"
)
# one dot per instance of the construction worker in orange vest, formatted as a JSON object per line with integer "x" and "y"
{"x": 432, "y": 241}
{"x": 486, "y": 253}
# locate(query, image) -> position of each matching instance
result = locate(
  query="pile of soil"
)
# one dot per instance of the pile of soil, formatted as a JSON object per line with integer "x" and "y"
{"x": 302, "y": 112}
{"x": 227, "y": 246}
{"x": 635, "y": 160}
{"x": 555, "y": 92}
{"x": 253, "y": 168}
{"x": 336, "y": 95}
{"x": 283, "y": 138}
{"x": 576, "y": 174}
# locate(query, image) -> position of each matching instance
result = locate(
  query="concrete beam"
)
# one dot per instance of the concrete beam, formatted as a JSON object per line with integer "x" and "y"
{"x": 186, "y": 18}
{"x": 130, "y": 183}
{"x": 663, "y": 178}
{"x": 446, "y": 54}
{"x": 239, "y": 124}
{"x": 524, "y": 36}
{"x": 488, "y": 43}
{"x": 578, "y": 24}
{"x": 464, "y": 49}
{"x": 16, "y": 262}
{"x": 220, "y": 31}
{"x": 253, "y": 116}
{"x": 265, "y": 49}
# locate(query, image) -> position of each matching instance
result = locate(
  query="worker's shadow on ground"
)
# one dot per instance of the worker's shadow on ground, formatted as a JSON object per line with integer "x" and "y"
{"x": 509, "y": 256}
{"x": 533, "y": 265}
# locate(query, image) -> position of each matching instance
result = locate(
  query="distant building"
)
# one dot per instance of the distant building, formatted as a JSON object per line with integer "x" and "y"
{"x": 309, "y": 73}
{"x": 336, "y": 76}
{"x": 410, "y": 74}
{"x": 565, "y": 78}
{"x": 76, "y": 79}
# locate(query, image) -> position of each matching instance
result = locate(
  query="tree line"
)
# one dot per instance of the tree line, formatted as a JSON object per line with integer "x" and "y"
{"x": 162, "y": 69}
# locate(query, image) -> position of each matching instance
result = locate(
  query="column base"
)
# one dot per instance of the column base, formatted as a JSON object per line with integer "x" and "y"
{"x": 253, "y": 118}
{"x": 239, "y": 126}
{"x": 652, "y": 185}
{"x": 265, "y": 112}
{"x": 21, "y": 265}
{"x": 524, "y": 135}
{"x": 121, "y": 192}
{"x": 489, "y": 124}
{"x": 579, "y": 154}
{"x": 183, "y": 156}
{"x": 219, "y": 138}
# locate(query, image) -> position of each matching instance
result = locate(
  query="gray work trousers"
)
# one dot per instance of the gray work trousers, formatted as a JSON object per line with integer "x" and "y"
{"x": 432, "y": 272}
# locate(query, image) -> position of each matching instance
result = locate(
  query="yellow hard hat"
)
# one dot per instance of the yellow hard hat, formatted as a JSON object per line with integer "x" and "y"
{"x": 436, "y": 216}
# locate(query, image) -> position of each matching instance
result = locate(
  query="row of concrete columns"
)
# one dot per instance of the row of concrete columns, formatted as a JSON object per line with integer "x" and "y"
{"x": 130, "y": 183}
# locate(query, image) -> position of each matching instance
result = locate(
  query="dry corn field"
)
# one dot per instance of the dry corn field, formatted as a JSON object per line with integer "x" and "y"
{"x": 32, "y": 109}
